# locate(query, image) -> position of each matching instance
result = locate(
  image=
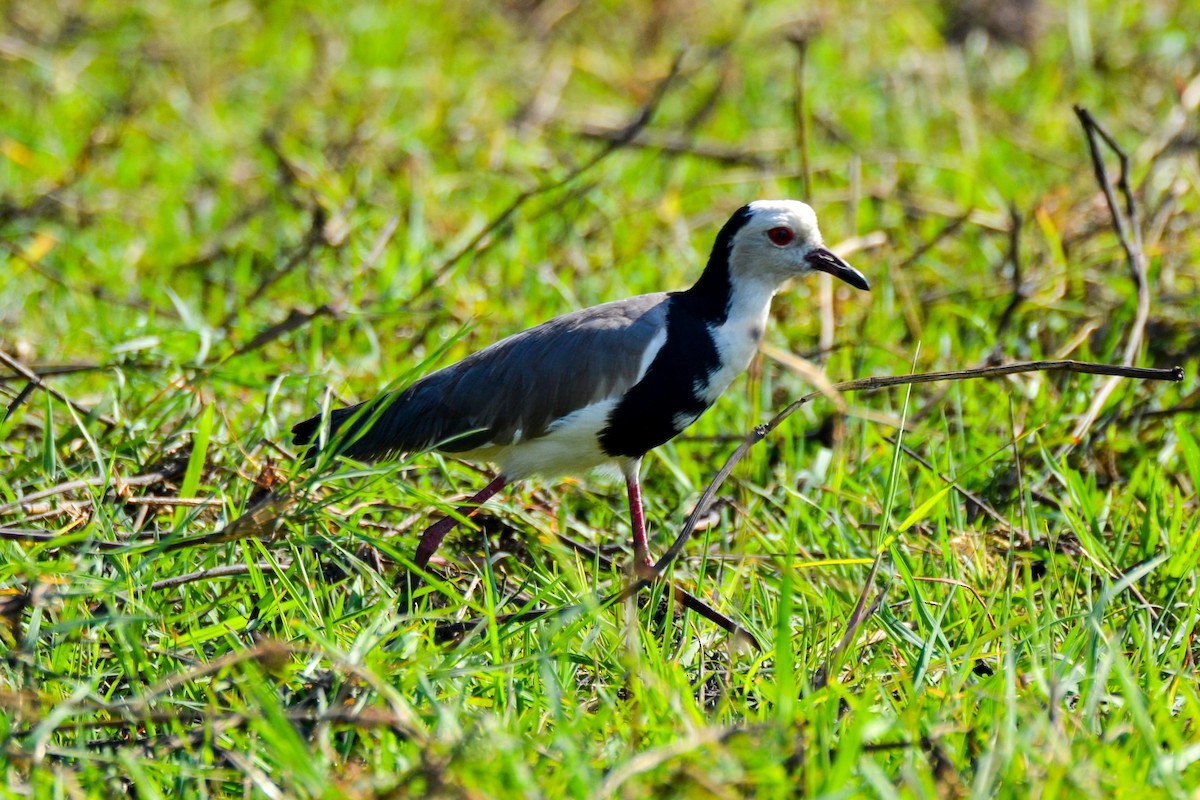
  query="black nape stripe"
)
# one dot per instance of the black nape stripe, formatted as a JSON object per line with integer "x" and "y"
{"x": 709, "y": 296}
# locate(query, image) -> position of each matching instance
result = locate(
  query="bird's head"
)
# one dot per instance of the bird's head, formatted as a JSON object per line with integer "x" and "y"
{"x": 773, "y": 240}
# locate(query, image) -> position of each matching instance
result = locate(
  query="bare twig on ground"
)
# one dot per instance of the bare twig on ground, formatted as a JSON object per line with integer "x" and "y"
{"x": 34, "y": 381}
{"x": 295, "y": 319}
{"x": 261, "y": 521}
{"x": 97, "y": 292}
{"x": 269, "y": 654}
{"x": 223, "y": 571}
{"x": 365, "y": 718}
{"x": 862, "y": 612}
{"x": 675, "y": 144}
{"x": 168, "y": 470}
{"x": 45, "y": 371}
{"x": 979, "y": 502}
{"x": 298, "y": 319}
{"x": 448, "y": 631}
{"x": 313, "y": 237}
{"x": 1129, "y": 231}
{"x": 1018, "y": 289}
{"x": 105, "y": 135}
{"x": 41, "y": 536}
{"x": 896, "y": 272}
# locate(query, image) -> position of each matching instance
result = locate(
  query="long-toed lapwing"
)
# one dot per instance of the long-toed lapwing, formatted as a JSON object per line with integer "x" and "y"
{"x": 600, "y": 386}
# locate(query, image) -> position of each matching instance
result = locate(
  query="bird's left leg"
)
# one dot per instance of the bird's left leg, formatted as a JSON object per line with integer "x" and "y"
{"x": 637, "y": 518}
{"x": 431, "y": 539}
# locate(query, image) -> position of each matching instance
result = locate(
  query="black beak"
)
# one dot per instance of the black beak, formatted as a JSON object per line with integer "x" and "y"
{"x": 825, "y": 261}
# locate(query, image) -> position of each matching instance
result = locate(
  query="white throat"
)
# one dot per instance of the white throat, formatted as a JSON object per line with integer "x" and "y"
{"x": 738, "y": 336}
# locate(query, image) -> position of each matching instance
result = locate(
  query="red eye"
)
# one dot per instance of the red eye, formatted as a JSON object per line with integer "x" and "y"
{"x": 781, "y": 236}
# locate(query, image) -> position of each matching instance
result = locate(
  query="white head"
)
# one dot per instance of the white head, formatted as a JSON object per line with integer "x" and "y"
{"x": 779, "y": 239}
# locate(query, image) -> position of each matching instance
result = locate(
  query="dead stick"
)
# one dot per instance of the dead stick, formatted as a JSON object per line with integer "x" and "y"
{"x": 448, "y": 631}
{"x": 42, "y": 536}
{"x": 1018, "y": 288}
{"x": 223, "y": 571}
{"x": 35, "y": 381}
{"x": 1128, "y": 228}
{"x": 171, "y": 470}
{"x": 312, "y": 238}
{"x": 862, "y": 612}
{"x": 673, "y": 144}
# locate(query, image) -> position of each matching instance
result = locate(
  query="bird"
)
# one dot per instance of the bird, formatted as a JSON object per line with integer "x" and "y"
{"x": 597, "y": 387}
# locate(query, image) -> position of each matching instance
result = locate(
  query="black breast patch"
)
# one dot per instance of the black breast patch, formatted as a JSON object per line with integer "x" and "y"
{"x": 648, "y": 413}
{"x": 646, "y": 416}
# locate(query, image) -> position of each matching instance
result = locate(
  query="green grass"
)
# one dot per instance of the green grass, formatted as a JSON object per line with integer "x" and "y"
{"x": 176, "y": 179}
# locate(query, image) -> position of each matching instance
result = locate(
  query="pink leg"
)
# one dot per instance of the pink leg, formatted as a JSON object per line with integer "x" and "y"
{"x": 641, "y": 553}
{"x": 431, "y": 539}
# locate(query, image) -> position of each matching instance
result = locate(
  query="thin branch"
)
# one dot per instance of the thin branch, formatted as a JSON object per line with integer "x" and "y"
{"x": 862, "y": 612}
{"x": 313, "y": 237}
{"x": 298, "y": 319}
{"x": 448, "y": 631}
{"x": 223, "y": 571}
{"x": 962, "y": 585}
{"x": 35, "y": 381}
{"x": 295, "y": 319}
{"x": 106, "y": 135}
{"x": 366, "y": 718}
{"x": 1129, "y": 231}
{"x": 1018, "y": 290}
{"x": 45, "y": 371}
{"x": 170, "y": 469}
{"x": 897, "y": 271}
{"x": 675, "y": 144}
{"x": 269, "y": 654}
{"x": 967, "y": 494}
{"x": 42, "y": 536}
{"x": 260, "y": 521}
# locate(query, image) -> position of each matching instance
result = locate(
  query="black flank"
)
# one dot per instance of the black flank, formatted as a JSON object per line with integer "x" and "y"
{"x": 645, "y": 416}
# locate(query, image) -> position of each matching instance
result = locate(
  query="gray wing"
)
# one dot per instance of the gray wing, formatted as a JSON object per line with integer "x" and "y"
{"x": 517, "y": 386}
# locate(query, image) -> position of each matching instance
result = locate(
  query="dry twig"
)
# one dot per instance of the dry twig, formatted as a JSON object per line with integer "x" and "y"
{"x": 34, "y": 381}
{"x": 1129, "y": 231}
{"x": 313, "y": 237}
{"x": 166, "y": 471}
{"x": 1018, "y": 289}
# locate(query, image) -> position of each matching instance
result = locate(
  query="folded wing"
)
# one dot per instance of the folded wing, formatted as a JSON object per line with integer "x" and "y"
{"x": 510, "y": 391}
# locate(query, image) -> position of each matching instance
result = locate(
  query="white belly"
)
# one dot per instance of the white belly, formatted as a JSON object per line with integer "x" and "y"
{"x": 570, "y": 447}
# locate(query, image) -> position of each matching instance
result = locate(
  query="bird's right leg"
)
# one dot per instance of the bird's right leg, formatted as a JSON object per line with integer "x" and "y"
{"x": 431, "y": 539}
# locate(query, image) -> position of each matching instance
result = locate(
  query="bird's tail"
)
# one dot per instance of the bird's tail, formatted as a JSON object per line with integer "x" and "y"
{"x": 346, "y": 429}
